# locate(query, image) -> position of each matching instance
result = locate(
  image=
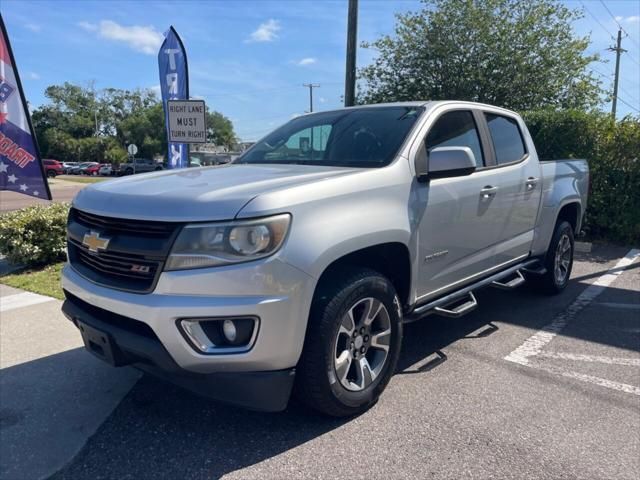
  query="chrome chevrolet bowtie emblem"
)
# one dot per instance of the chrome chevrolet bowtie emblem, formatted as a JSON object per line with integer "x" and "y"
{"x": 94, "y": 243}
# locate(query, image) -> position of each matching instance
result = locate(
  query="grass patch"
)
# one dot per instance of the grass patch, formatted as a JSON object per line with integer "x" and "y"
{"x": 45, "y": 281}
{"x": 81, "y": 179}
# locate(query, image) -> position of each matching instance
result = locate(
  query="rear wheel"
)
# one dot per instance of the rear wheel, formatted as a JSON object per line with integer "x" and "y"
{"x": 51, "y": 174}
{"x": 558, "y": 261}
{"x": 352, "y": 344}
{"x": 128, "y": 171}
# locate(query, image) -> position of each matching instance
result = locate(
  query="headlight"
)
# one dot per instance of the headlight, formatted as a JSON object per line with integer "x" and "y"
{"x": 213, "y": 244}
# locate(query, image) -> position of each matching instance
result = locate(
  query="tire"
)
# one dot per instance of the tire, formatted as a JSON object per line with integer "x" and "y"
{"x": 558, "y": 261}
{"x": 51, "y": 174}
{"x": 128, "y": 171}
{"x": 331, "y": 376}
{"x": 95, "y": 174}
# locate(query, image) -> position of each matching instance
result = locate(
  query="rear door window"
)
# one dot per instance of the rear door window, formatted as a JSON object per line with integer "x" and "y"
{"x": 506, "y": 137}
{"x": 456, "y": 129}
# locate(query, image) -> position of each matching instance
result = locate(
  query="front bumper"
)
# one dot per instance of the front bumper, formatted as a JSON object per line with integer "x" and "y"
{"x": 130, "y": 343}
{"x": 272, "y": 290}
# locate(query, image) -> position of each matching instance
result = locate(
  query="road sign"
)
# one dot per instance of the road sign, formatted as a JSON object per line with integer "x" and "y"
{"x": 187, "y": 121}
{"x": 132, "y": 149}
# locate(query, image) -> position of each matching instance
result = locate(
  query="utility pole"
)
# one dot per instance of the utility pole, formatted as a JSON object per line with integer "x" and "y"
{"x": 352, "y": 38}
{"x": 619, "y": 50}
{"x": 311, "y": 86}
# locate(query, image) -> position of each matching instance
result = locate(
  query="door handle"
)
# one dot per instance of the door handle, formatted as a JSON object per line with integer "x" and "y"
{"x": 531, "y": 183}
{"x": 488, "y": 192}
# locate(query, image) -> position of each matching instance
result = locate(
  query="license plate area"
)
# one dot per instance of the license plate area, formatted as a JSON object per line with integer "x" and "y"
{"x": 101, "y": 345}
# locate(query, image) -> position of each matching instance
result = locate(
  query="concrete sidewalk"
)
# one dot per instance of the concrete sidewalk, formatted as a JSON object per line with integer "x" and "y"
{"x": 53, "y": 394}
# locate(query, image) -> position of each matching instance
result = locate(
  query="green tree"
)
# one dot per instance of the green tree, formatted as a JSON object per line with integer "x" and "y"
{"x": 82, "y": 124}
{"x": 220, "y": 130}
{"x": 520, "y": 54}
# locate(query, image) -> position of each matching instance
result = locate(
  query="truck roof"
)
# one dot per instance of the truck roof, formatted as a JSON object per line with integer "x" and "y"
{"x": 417, "y": 103}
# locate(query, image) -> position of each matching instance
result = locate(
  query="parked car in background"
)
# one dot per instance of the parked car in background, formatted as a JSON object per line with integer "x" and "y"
{"x": 138, "y": 165}
{"x": 79, "y": 169}
{"x": 92, "y": 169}
{"x": 301, "y": 261}
{"x": 52, "y": 167}
{"x": 105, "y": 169}
{"x": 67, "y": 166}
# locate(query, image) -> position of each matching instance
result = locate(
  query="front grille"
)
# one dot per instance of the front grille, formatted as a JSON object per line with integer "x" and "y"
{"x": 135, "y": 254}
{"x": 137, "y": 227}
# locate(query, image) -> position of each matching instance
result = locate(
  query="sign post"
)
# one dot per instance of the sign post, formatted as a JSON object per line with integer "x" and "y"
{"x": 133, "y": 149}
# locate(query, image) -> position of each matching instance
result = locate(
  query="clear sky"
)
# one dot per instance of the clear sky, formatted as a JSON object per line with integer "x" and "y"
{"x": 247, "y": 59}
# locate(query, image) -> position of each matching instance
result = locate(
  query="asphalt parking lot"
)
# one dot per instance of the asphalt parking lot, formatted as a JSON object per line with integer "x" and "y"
{"x": 526, "y": 386}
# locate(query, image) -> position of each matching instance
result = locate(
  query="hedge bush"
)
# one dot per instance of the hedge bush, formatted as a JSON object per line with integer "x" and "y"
{"x": 613, "y": 151}
{"x": 35, "y": 235}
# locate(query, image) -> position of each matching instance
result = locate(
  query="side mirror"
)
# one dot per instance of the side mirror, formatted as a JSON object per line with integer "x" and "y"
{"x": 446, "y": 162}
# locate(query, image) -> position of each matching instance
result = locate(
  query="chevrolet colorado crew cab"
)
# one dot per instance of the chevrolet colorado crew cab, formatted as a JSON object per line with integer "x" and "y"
{"x": 293, "y": 268}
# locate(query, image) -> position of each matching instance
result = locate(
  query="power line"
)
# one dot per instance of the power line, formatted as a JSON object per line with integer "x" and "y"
{"x": 614, "y": 18}
{"x": 601, "y": 74}
{"x": 618, "y": 23}
{"x": 629, "y": 105}
{"x": 596, "y": 19}
{"x": 634, "y": 99}
{"x": 633, "y": 40}
{"x": 632, "y": 58}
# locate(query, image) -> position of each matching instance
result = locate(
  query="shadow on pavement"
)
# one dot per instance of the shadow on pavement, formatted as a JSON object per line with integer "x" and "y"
{"x": 160, "y": 431}
{"x": 49, "y": 407}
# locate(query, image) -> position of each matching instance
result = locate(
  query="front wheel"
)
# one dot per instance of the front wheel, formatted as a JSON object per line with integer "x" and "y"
{"x": 352, "y": 345}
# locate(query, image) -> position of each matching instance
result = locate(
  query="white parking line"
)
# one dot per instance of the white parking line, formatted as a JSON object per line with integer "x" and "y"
{"x": 578, "y": 357}
{"x": 532, "y": 347}
{"x": 629, "y": 306}
{"x": 20, "y": 300}
{"x": 603, "y": 382}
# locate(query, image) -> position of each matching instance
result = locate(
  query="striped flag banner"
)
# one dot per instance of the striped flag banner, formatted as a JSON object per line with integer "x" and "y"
{"x": 21, "y": 168}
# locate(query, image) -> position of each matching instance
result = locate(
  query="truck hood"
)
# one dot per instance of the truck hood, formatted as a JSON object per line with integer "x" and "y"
{"x": 196, "y": 194}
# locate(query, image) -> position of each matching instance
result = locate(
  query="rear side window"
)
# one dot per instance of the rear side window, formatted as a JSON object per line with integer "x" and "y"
{"x": 506, "y": 137}
{"x": 456, "y": 129}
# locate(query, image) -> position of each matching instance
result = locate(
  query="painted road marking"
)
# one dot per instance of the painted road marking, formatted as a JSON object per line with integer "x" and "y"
{"x": 629, "y": 306}
{"x": 603, "y": 382}
{"x": 532, "y": 347}
{"x": 20, "y": 300}
{"x": 578, "y": 357}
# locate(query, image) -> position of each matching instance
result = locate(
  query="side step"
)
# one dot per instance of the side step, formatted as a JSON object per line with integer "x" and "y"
{"x": 460, "y": 307}
{"x": 535, "y": 270}
{"x": 464, "y": 301}
{"x": 515, "y": 282}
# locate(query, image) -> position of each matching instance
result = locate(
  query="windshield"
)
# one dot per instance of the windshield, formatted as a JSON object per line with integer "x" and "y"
{"x": 365, "y": 137}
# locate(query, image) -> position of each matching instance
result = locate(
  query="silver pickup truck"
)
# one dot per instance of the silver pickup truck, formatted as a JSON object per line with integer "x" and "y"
{"x": 294, "y": 268}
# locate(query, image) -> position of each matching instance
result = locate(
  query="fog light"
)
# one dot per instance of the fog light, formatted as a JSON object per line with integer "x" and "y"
{"x": 229, "y": 330}
{"x": 220, "y": 335}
